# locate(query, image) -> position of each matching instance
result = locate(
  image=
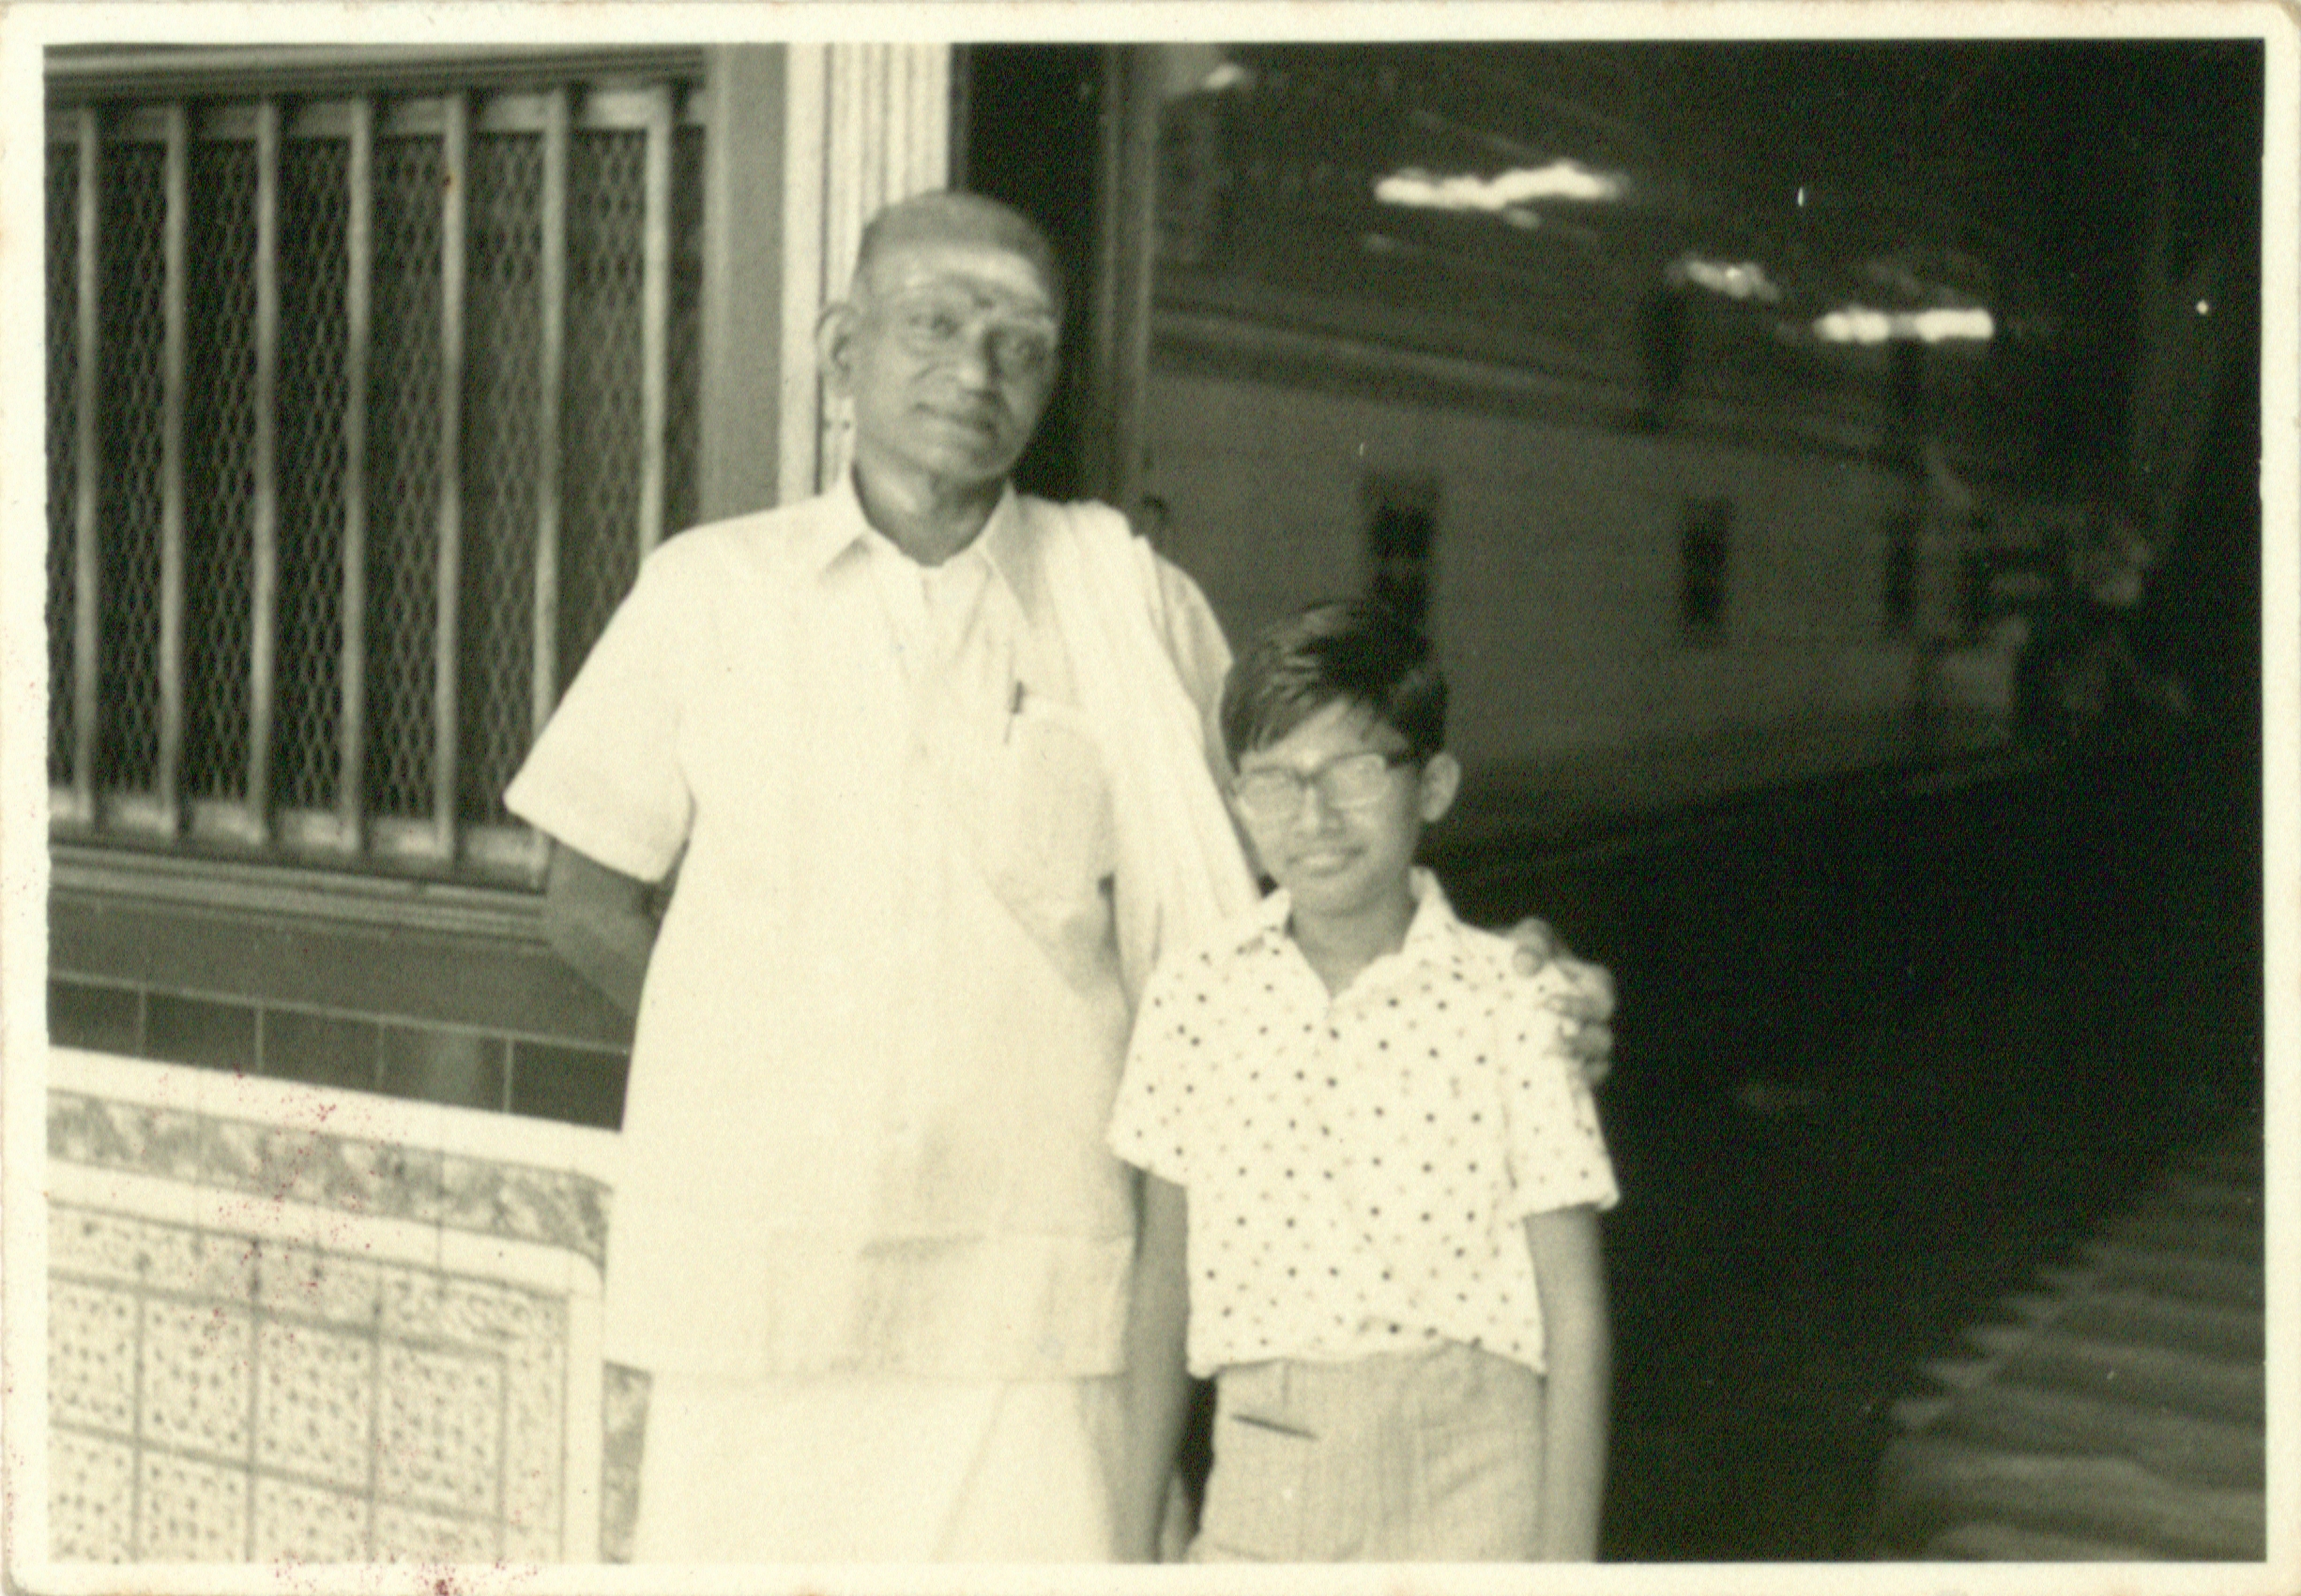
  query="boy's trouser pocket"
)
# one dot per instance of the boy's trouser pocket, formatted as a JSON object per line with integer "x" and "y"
{"x": 1398, "y": 1457}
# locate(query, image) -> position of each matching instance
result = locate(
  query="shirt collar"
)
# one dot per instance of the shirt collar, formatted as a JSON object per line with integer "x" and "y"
{"x": 1429, "y": 936}
{"x": 1004, "y": 541}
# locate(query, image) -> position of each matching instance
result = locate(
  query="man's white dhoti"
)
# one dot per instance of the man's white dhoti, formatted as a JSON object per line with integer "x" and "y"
{"x": 870, "y": 1469}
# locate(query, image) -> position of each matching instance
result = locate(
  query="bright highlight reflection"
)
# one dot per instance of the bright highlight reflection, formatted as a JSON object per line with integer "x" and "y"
{"x": 1502, "y": 192}
{"x": 1736, "y": 279}
{"x": 1858, "y": 324}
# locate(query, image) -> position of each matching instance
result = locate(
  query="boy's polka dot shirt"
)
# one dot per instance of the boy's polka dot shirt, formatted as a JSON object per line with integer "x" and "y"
{"x": 1357, "y": 1165}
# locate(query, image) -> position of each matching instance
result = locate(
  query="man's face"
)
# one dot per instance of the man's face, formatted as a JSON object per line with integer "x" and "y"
{"x": 949, "y": 355}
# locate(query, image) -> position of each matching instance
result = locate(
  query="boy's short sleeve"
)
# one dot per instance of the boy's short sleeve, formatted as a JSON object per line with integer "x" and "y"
{"x": 1556, "y": 1148}
{"x": 1150, "y": 1123}
{"x": 604, "y": 778}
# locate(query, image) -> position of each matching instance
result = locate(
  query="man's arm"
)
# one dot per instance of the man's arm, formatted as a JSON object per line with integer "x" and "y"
{"x": 601, "y": 921}
{"x": 1570, "y": 1276}
{"x": 1158, "y": 1383}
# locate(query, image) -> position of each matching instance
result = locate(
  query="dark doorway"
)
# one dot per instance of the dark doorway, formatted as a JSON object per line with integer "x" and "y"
{"x": 1401, "y": 530}
{"x": 1028, "y": 129}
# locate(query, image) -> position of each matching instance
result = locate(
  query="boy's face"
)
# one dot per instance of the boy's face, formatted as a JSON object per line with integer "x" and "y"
{"x": 1337, "y": 850}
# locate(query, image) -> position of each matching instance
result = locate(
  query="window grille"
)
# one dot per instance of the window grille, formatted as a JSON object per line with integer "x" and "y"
{"x": 362, "y": 410}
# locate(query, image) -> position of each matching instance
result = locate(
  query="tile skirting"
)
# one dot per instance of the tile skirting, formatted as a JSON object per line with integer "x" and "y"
{"x": 536, "y": 1077}
{"x": 354, "y": 1175}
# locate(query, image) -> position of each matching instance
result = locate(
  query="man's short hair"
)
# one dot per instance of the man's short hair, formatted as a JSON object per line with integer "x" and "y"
{"x": 1349, "y": 651}
{"x": 954, "y": 216}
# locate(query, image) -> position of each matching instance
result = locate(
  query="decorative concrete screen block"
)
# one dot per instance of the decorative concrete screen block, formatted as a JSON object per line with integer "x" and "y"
{"x": 289, "y": 1323}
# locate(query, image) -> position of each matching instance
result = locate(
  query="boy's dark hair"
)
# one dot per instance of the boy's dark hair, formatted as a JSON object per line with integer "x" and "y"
{"x": 1351, "y": 651}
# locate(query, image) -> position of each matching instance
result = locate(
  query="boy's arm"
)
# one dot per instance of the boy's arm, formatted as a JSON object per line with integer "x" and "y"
{"x": 1157, "y": 1382}
{"x": 1570, "y": 1276}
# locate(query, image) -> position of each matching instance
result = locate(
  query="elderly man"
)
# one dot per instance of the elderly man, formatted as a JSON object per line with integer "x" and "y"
{"x": 930, "y": 760}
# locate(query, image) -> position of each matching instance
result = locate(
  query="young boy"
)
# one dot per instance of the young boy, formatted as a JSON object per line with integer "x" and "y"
{"x": 1371, "y": 1172}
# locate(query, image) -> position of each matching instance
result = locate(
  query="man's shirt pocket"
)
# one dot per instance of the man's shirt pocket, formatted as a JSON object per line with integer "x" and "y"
{"x": 1038, "y": 801}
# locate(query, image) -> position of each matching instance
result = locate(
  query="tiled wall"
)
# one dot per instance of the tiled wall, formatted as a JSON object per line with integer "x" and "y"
{"x": 286, "y": 1322}
{"x": 469, "y": 1020}
{"x": 472, "y": 1069}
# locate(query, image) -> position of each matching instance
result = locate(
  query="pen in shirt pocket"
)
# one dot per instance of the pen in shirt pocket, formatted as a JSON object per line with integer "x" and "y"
{"x": 1015, "y": 712}
{"x": 1274, "y": 1426}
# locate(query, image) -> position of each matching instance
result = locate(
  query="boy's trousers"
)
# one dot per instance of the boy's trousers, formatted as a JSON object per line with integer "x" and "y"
{"x": 1395, "y": 1457}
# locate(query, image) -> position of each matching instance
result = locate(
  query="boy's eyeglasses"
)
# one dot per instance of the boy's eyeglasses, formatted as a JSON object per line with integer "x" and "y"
{"x": 1350, "y": 781}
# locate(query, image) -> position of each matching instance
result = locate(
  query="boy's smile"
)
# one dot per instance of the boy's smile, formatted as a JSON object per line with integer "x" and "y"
{"x": 1342, "y": 847}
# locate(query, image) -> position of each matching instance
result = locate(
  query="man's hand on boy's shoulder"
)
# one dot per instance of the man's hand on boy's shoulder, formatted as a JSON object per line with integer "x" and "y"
{"x": 1589, "y": 1003}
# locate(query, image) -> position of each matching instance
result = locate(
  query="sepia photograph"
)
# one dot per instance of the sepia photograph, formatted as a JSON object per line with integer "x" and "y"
{"x": 758, "y": 763}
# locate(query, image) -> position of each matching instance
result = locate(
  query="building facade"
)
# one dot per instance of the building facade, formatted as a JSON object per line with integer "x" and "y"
{"x": 373, "y": 375}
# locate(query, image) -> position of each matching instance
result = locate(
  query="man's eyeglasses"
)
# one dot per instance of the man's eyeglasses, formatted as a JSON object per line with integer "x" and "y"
{"x": 938, "y": 329}
{"x": 1350, "y": 781}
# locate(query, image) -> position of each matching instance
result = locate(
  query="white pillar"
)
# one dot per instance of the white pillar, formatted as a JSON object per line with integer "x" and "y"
{"x": 867, "y": 124}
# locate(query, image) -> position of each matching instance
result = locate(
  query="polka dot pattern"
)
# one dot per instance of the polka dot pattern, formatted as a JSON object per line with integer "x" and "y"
{"x": 1357, "y": 1165}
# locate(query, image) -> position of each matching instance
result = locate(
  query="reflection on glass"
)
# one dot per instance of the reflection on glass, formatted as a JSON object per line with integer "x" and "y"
{"x": 1653, "y": 217}
{"x": 1508, "y": 194}
{"x": 1859, "y": 324}
{"x": 1736, "y": 279}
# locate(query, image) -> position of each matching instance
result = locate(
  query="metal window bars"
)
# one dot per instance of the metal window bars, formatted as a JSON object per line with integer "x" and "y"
{"x": 363, "y": 410}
